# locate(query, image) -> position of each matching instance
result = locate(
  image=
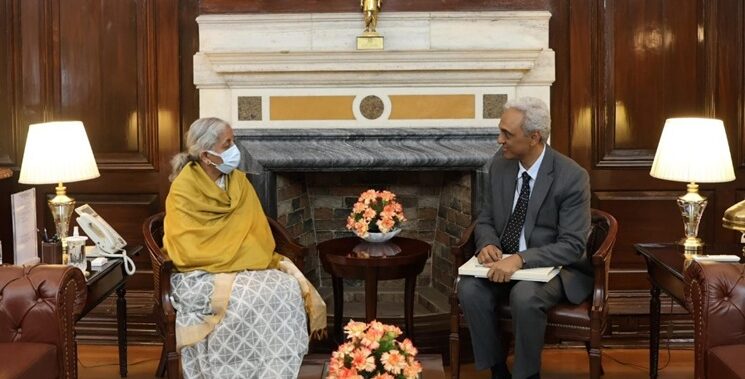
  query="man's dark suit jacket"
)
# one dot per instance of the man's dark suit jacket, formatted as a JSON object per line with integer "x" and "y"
{"x": 557, "y": 224}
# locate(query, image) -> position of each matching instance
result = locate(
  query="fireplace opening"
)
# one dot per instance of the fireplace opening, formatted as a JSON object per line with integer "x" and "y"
{"x": 314, "y": 207}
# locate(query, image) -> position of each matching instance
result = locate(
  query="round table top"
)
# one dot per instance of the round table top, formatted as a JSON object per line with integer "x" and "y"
{"x": 353, "y": 251}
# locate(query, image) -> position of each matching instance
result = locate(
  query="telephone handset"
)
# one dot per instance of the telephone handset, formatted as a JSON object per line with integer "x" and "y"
{"x": 108, "y": 242}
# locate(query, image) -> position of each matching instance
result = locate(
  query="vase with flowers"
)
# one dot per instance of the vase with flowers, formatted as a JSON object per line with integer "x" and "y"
{"x": 372, "y": 351}
{"x": 376, "y": 216}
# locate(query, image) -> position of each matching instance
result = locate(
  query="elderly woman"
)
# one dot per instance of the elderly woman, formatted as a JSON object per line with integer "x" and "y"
{"x": 241, "y": 307}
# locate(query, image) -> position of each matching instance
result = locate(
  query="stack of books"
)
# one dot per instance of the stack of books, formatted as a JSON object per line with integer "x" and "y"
{"x": 538, "y": 274}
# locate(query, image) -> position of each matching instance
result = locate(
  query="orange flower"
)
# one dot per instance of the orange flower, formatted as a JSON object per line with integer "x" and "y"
{"x": 369, "y": 213}
{"x": 348, "y": 373}
{"x": 412, "y": 370}
{"x": 383, "y": 376}
{"x": 393, "y": 330}
{"x": 387, "y": 195}
{"x": 362, "y": 360}
{"x": 408, "y": 347}
{"x": 385, "y": 225}
{"x": 371, "y": 339}
{"x": 355, "y": 329}
{"x": 368, "y": 196}
{"x": 393, "y": 361}
{"x": 359, "y": 207}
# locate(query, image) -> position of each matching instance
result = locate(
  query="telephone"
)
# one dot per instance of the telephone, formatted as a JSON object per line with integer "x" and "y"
{"x": 108, "y": 242}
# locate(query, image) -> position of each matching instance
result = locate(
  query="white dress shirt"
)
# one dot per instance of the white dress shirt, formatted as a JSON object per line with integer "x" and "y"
{"x": 533, "y": 172}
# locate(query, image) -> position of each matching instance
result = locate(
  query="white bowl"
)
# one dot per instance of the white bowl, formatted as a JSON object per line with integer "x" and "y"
{"x": 381, "y": 237}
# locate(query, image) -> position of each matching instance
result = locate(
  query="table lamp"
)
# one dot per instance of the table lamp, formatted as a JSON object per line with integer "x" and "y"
{"x": 693, "y": 150}
{"x": 734, "y": 218}
{"x": 58, "y": 152}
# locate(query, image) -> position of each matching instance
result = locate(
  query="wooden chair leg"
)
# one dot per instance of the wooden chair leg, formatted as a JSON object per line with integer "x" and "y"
{"x": 161, "y": 370}
{"x": 455, "y": 354}
{"x": 174, "y": 366}
{"x": 596, "y": 363}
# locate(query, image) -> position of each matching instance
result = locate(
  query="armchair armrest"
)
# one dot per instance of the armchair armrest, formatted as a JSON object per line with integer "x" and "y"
{"x": 464, "y": 248}
{"x": 286, "y": 244}
{"x": 715, "y": 292}
{"x": 43, "y": 302}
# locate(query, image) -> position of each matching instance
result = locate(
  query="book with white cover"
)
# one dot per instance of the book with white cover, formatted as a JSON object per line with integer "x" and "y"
{"x": 539, "y": 274}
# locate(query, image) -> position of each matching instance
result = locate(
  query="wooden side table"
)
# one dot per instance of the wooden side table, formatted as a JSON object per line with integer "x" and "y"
{"x": 666, "y": 263}
{"x": 339, "y": 259}
{"x": 104, "y": 281}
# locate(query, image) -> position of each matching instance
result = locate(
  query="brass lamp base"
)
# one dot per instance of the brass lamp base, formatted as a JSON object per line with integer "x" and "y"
{"x": 734, "y": 218}
{"x": 692, "y": 206}
{"x": 61, "y": 207}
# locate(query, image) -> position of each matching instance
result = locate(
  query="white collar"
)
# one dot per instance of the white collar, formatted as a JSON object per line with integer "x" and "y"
{"x": 533, "y": 170}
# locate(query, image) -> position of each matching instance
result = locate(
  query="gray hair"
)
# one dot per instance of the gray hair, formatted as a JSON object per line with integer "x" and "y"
{"x": 536, "y": 116}
{"x": 203, "y": 135}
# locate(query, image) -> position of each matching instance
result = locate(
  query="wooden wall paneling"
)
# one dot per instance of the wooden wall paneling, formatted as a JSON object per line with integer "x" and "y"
{"x": 273, "y": 6}
{"x": 643, "y": 81}
{"x": 582, "y": 36}
{"x": 167, "y": 44}
{"x": 8, "y": 151}
{"x": 106, "y": 67}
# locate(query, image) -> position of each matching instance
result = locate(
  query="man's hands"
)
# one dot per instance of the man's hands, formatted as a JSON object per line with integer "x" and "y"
{"x": 500, "y": 270}
{"x": 489, "y": 254}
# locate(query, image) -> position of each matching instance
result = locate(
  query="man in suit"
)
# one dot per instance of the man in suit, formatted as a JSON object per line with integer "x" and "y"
{"x": 538, "y": 209}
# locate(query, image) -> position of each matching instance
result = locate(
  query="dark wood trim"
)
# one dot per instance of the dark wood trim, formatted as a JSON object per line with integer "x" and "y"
{"x": 708, "y": 54}
{"x": 324, "y": 6}
{"x": 188, "y": 45}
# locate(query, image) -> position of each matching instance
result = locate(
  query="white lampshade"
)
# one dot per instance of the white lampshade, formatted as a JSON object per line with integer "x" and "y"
{"x": 693, "y": 150}
{"x": 57, "y": 152}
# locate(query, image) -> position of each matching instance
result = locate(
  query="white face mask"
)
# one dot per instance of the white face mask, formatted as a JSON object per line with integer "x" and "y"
{"x": 230, "y": 159}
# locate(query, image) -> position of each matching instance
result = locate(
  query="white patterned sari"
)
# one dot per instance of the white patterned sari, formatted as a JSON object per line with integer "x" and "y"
{"x": 263, "y": 332}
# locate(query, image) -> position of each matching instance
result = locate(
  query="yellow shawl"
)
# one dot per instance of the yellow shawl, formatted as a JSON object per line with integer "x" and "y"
{"x": 225, "y": 231}
{"x": 213, "y": 230}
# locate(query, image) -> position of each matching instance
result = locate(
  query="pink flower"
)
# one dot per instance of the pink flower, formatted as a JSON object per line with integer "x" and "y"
{"x": 393, "y": 330}
{"x": 368, "y": 196}
{"x": 362, "y": 360}
{"x": 393, "y": 361}
{"x": 408, "y": 347}
{"x": 412, "y": 370}
{"x": 359, "y": 207}
{"x": 362, "y": 356}
{"x": 387, "y": 195}
{"x": 371, "y": 339}
{"x": 355, "y": 329}
{"x": 360, "y": 228}
{"x": 348, "y": 373}
{"x": 385, "y": 225}
{"x": 369, "y": 213}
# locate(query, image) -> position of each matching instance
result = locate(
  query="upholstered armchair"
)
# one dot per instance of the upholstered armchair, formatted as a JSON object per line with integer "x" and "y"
{"x": 715, "y": 292}
{"x": 585, "y": 322}
{"x": 38, "y": 308}
{"x": 152, "y": 229}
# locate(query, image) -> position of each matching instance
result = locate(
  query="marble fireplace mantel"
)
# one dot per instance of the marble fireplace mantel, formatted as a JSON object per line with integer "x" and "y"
{"x": 248, "y": 64}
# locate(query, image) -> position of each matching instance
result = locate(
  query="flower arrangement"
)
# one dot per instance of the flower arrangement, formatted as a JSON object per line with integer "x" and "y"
{"x": 375, "y": 211}
{"x": 372, "y": 352}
